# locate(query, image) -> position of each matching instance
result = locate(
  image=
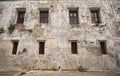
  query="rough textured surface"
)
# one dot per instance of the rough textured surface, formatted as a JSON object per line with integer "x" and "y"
{"x": 56, "y": 73}
{"x": 58, "y": 33}
{"x": 52, "y": 73}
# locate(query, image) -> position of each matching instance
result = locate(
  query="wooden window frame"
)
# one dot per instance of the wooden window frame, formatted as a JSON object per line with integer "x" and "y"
{"x": 42, "y": 47}
{"x": 74, "y": 47}
{"x": 44, "y": 16}
{"x": 73, "y": 19}
{"x": 20, "y": 15}
{"x": 103, "y": 46}
{"x": 95, "y": 15}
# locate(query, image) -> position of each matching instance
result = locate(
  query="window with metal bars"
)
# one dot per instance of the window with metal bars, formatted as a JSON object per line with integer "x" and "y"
{"x": 73, "y": 17}
{"x": 43, "y": 16}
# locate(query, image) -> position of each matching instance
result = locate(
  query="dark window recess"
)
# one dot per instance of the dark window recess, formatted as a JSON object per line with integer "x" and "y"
{"x": 118, "y": 10}
{"x": 74, "y": 47}
{"x": 20, "y": 19}
{"x": 15, "y": 46}
{"x": 95, "y": 16}
{"x": 43, "y": 16}
{"x": 73, "y": 17}
{"x": 41, "y": 47}
{"x": 103, "y": 47}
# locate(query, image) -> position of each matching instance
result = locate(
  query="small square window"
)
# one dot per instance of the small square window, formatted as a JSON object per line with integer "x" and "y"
{"x": 43, "y": 16}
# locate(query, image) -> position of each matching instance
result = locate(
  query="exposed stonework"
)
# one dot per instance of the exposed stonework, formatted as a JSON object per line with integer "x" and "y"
{"x": 58, "y": 33}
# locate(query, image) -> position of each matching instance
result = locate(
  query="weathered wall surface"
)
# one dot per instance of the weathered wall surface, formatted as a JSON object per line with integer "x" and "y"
{"x": 58, "y": 33}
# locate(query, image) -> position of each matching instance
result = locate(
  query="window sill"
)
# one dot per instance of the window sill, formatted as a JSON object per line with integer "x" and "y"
{"x": 75, "y": 24}
{"x": 41, "y": 55}
{"x": 19, "y": 24}
{"x": 104, "y": 55}
{"x": 20, "y": 27}
{"x": 14, "y": 55}
{"x": 74, "y": 54}
{"x": 98, "y": 24}
{"x": 44, "y": 23}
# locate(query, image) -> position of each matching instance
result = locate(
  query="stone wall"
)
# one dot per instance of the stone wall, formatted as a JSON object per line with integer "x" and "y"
{"x": 58, "y": 34}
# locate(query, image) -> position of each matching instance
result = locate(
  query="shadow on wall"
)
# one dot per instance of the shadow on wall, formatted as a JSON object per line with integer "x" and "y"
{"x": 4, "y": 59}
{"x": 118, "y": 59}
